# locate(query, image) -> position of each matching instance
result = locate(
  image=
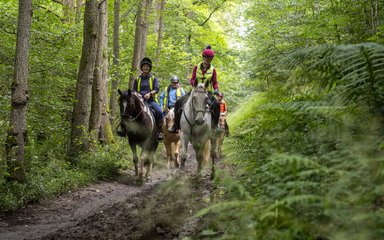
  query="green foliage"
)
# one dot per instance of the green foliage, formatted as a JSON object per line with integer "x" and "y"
{"x": 307, "y": 174}
{"x": 53, "y": 175}
{"x": 353, "y": 72}
{"x": 104, "y": 162}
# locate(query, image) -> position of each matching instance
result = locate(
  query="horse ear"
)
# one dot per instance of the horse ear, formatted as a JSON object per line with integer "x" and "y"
{"x": 206, "y": 85}
{"x": 195, "y": 83}
{"x": 129, "y": 92}
{"x": 119, "y": 91}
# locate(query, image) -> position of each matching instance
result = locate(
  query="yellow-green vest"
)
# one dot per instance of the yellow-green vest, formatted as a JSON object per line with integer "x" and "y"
{"x": 151, "y": 79}
{"x": 205, "y": 77}
{"x": 178, "y": 95}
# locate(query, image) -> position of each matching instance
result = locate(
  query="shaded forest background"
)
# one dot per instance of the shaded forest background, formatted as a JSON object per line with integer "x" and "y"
{"x": 303, "y": 80}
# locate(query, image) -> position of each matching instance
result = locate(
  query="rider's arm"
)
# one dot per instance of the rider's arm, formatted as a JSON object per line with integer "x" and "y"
{"x": 155, "y": 85}
{"x": 192, "y": 81}
{"x": 215, "y": 83}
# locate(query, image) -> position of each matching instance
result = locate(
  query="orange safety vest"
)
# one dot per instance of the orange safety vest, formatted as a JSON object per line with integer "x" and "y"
{"x": 223, "y": 106}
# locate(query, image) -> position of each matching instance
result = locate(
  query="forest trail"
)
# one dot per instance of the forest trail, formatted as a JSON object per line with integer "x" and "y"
{"x": 160, "y": 209}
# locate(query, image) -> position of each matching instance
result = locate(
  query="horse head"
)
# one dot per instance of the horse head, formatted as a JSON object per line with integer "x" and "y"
{"x": 222, "y": 121}
{"x": 169, "y": 119}
{"x": 199, "y": 103}
{"x": 129, "y": 103}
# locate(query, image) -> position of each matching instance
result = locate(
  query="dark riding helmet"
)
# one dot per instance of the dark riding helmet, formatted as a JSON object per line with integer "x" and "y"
{"x": 146, "y": 61}
{"x": 174, "y": 79}
{"x": 208, "y": 52}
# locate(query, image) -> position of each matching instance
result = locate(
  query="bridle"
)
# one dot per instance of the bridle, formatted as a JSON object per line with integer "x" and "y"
{"x": 194, "y": 111}
{"x": 130, "y": 114}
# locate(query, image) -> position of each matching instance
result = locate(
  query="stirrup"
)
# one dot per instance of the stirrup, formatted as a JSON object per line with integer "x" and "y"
{"x": 159, "y": 137}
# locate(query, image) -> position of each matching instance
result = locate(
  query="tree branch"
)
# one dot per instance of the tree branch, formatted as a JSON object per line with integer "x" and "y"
{"x": 58, "y": 1}
{"x": 101, "y": 3}
{"x": 50, "y": 11}
{"x": 210, "y": 15}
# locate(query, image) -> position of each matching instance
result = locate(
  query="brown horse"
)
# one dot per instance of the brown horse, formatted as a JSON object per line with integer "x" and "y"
{"x": 171, "y": 140}
{"x": 220, "y": 138}
{"x": 141, "y": 129}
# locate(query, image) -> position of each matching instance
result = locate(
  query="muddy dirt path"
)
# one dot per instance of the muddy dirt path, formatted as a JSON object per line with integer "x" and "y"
{"x": 160, "y": 209}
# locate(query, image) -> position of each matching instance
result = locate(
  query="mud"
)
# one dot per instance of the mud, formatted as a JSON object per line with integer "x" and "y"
{"x": 163, "y": 208}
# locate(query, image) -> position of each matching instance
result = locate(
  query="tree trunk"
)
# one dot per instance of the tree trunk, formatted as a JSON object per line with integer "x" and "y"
{"x": 99, "y": 76}
{"x": 105, "y": 133}
{"x": 17, "y": 131}
{"x": 374, "y": 6}
{"x": 160, "y": 32}
{"x": 145, "y": 26}
{"x": 69, "y": 11}
{"x": 81, "y": 111}
{"x": 137, "y": 45}
{"x": 79, "y": 4}
{"x": 116, "y": 59}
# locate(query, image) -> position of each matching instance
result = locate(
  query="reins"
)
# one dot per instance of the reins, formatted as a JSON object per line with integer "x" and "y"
{"x": 193, "y": 110}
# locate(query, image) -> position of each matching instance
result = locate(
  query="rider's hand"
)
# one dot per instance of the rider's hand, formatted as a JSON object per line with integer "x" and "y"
{"x": 216, "y": 92}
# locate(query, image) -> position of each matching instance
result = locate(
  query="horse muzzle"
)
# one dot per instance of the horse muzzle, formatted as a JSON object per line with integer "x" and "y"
{"x": 200, "y": 121}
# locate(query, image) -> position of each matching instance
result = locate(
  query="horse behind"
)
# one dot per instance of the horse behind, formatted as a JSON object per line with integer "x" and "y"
{"x": 171, "y": 140}
{"x": 220, "y": 138}
{"x": 195, "y": 126}
{"x": 141, "y": 129}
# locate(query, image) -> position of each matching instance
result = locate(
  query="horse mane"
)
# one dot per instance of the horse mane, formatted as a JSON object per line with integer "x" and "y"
{"x": 139, "y": 101}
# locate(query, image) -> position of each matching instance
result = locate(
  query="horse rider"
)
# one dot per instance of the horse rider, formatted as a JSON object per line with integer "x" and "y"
{"x": 202, "y": 72}
{"x": 170, "y": 95}
{"x": 147, "y": 85}
{"x": 223, "y": 111}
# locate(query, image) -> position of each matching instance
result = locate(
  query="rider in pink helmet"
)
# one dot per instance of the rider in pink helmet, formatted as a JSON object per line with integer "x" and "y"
{"x": 202, "y": 72}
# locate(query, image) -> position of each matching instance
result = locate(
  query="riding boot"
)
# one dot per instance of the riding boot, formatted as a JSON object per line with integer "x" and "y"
{"x": 176, "y": 124}
{"x": 159, "y": 135}
{"x": 216, "y": 115}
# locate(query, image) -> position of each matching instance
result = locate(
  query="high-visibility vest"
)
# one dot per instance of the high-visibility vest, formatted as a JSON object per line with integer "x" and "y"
{"x": 207, "y": 76}
{"x": 223, "y": 106}
{"x": 165, "y": 100}
{"x": 151, "y": 79}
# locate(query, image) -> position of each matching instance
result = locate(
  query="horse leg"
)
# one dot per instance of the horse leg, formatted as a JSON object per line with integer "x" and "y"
{"x": 177, "y": 156}
{"x": 183, "y": 155}
{"x": 213, "y": 157}
{"x": 168, "y": 152}
{"x": 143, "y": 157}
{"x": 135, "y": 159}
{"x": 199, "y": 158}
{"x": 149, "y": 163}
{"x": 183, "y": 149}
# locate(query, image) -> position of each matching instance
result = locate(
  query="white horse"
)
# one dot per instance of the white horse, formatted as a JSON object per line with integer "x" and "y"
{"x": 195, "y": 126}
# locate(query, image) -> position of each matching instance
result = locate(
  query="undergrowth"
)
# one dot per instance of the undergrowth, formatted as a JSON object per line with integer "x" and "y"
{"x": 50, "y": 174}
{"x": 309, "y": 157}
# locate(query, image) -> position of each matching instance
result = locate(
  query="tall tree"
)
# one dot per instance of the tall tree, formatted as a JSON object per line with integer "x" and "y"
{"x": 138, "y": 45}
{"x": 160, "y": 31}
{"x": 17, "y": 131}
{"x": 100, "y": 75}
{"x": 145, "y": 26}
{"x": 69, "y": 10}
{"x": 81, "y": 111}
{"x": 116, "y": 59}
